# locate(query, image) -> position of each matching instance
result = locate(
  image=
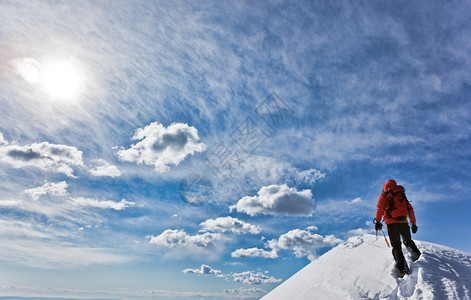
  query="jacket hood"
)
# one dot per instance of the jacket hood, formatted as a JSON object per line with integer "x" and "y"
{"x": 389, "y": 184}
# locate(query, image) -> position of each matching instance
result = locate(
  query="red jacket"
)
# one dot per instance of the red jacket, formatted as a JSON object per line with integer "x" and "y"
{"x": 383, "y": 205}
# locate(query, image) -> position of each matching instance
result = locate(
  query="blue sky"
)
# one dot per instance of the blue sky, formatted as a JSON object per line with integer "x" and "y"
{"x": 210, "y": 150}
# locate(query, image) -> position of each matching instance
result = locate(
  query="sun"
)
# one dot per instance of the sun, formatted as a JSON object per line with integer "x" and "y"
{"x": 61, "y": 80}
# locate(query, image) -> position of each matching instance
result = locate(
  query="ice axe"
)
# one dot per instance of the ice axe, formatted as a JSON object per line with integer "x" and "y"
{"x": 385, "y": 239}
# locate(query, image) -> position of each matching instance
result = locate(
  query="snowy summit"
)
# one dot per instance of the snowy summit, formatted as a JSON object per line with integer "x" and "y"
{"x": 363, "y": 268}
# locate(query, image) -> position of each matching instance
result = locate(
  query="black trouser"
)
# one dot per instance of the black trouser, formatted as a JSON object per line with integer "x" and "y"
{"x": 395, "y": 231}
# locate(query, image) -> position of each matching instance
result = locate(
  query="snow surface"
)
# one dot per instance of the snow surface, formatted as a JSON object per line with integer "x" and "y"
{"x": 363, "y": 268}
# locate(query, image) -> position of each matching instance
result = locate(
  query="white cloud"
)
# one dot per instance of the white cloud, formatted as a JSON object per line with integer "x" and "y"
{"x": 51, "y": 188}
{"x": 241, "y": 292}
{"x": 27, "y": 68}
{"x": 229, "y": 224}
{"x": 2, "y": 140}
{"x": 247, "y": 277}
{"x": 204, "y": 269}
{"x": 104, "y": 168}
{"x": 255, "y": 252}
{"x": 161, "y": 146}
{"x": 250, "y": 277}
{"x": 424, "y": 194}
{"x": 267, "y": 170}
{"x": 48, "y": 157}
{"x": 310, "y": 176}
{"x": 354, "y": 201}
{"x": 360, "y": 231}
{"x": 70, "y": 210}
{"x": 277, "y": 200}
{"x": 105, "y": 204}
{"x": 174, "y": 238}
{"x": 301, "y": 242}
{"x": 304, "y": 243}
{"x": 9, "y": 202}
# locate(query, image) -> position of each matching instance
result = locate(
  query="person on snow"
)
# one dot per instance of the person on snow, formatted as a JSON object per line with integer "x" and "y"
{"x": 395, "y": 208}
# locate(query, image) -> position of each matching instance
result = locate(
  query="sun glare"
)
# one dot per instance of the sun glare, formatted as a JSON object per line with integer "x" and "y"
{"x": 61, "y": 80}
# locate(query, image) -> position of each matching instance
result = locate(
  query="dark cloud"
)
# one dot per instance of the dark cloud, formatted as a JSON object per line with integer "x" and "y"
{"x": 25, "y": 155}
{"x": 176, "y": 141}
{"x": 48, "y": 157}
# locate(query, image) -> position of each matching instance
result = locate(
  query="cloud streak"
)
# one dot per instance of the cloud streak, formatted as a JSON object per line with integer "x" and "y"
{"x": 57, "y": 255}
{"x": 34, "y": 244}
{"x": 103, "y": 204}
{"x": 49, "y": 188}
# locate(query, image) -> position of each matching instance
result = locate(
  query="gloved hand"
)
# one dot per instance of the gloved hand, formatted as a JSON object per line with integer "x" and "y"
{"x": 414, "y": 228}
{"x": 378, "y": 226}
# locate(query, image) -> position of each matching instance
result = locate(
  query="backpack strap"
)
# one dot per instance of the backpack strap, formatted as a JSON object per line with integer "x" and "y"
{"x": 389, "y": 196}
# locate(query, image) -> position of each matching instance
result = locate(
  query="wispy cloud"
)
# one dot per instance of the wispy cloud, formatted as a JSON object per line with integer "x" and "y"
{"x": 27, "y": 68}
{"x": 9, "y": 202}
{"x": 104, "y": 204}
{"x": 246, "y": 292}
{"x": 35, "y": 244}
{"x": 49, "y": 188}
{"x": 121, "y": 293}
{"x": 310, "y": 176}
{"x": 354, "y": 201}
{"x": 56, "y": 255}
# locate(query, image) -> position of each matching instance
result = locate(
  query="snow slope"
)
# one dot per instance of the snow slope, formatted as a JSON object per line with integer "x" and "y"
{"x": 363, "y": 268}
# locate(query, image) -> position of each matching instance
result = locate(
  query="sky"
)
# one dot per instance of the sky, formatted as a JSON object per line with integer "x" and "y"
{"x": 211, "y": 149}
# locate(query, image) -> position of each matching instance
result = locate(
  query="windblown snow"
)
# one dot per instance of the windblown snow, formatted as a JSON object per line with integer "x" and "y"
{"x": 363, "y": 268}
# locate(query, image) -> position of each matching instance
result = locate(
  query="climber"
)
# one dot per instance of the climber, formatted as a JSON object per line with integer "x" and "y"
{"x": 395, "y": 208}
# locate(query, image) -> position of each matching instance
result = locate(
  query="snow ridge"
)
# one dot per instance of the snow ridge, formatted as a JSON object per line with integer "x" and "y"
{"x": 363, "y": 268}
